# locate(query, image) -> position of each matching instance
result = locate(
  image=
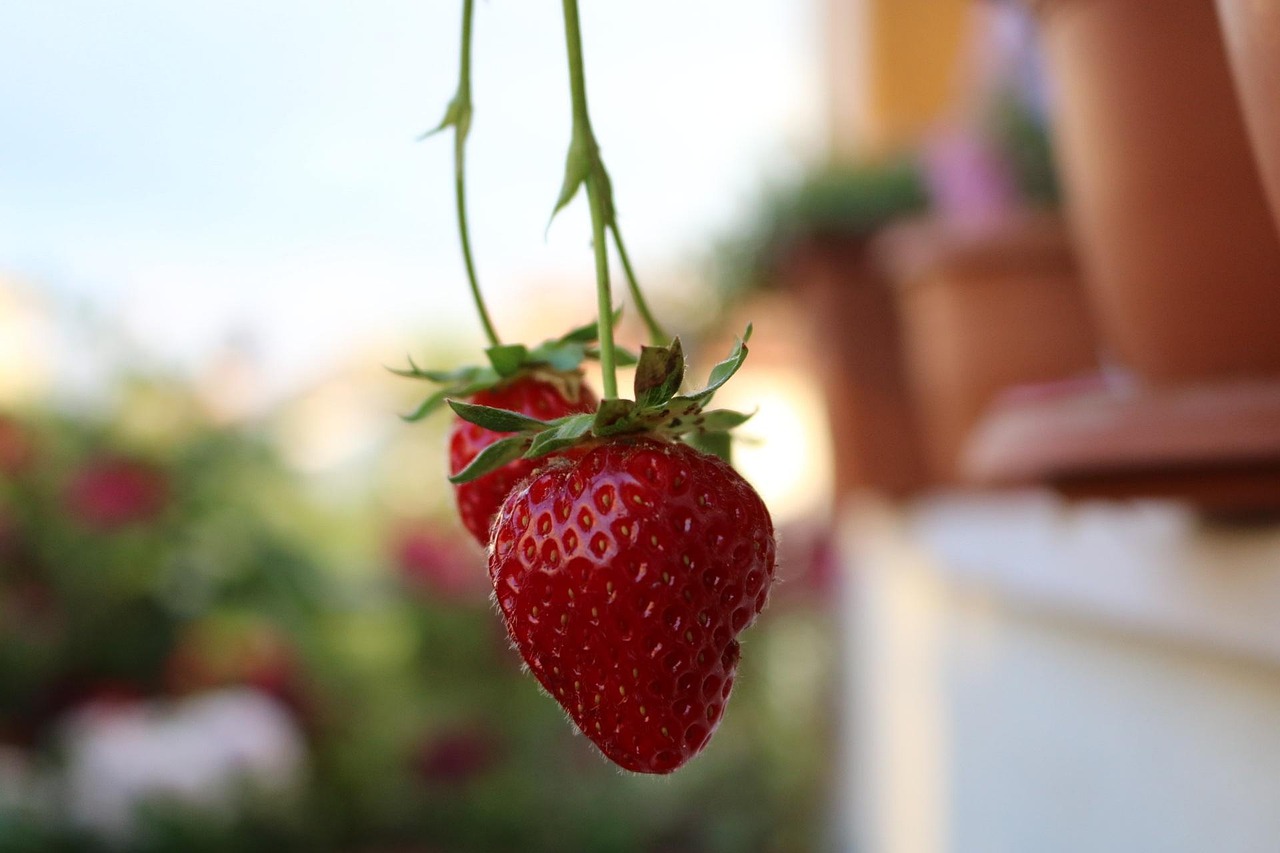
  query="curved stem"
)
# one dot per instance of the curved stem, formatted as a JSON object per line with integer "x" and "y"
{"x": 657, "y": 336}
{"x": 462, "y": 127}
{"x": 598, "y": 195}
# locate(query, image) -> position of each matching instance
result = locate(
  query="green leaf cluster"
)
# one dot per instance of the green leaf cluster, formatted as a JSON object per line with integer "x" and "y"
{"x": 564, "y": 354}
{"x": 658, "y": 409}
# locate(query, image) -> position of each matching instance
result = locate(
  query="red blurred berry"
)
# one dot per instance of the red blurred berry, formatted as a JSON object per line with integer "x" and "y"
{"x": 457, "y": 756}
{"x": 812, "y": 569}
{"x": 437, "y": 565}
{"x": 115, "y": 491}
{"x": 625, "y": 576}
{"x": 478, "y": 501}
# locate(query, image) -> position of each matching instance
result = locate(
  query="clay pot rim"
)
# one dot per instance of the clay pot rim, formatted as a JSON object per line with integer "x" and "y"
{"x": 1028, "y": 243}
{"x": 1042, "y": 9}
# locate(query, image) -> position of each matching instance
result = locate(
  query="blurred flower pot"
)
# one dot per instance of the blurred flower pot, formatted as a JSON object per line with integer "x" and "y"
{"x": 1164, "y": 199}
{"x": 1252, "y": 30}
{"x": 984, "y": 311}
{"x": 855, "y": 339}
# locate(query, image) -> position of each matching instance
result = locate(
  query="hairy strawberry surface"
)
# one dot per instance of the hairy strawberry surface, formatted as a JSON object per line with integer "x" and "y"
{"x": 625, "y": 576}
{"x": 478, "y": 501}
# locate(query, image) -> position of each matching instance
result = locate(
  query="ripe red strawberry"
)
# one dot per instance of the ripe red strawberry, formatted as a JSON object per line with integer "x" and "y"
{"x": 478, "y": 501}
{"x": 624, "y": 576}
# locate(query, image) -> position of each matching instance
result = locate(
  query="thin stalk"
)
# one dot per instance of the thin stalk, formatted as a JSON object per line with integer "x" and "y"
{"x": 657, "y": 336}
{"x": 598, "y": 195}
{"x": 462, "y": 128}
{"x": 604, "y": 300}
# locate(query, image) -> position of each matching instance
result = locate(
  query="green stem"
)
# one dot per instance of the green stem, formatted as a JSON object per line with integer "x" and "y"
{"x": 657, "y": 336}
{"x": 604, "y": 300}
{"x": 598, "y": 195}
{"x": 462, "y": 128}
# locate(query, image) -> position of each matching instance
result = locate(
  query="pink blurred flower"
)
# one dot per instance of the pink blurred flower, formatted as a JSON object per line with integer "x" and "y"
{"x": 969, "y": 183}
{"x": 809, "y": 566}
{"x": 114, "y": 491}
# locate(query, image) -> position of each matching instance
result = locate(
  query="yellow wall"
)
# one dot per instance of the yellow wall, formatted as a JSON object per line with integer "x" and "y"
{"x": 891, "y": 67}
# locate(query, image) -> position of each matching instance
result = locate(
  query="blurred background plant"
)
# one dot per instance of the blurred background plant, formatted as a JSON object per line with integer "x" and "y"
{"x": 834, "y": 201}
{"x": 206, "y": 646}
{"x": 235, "y": 611}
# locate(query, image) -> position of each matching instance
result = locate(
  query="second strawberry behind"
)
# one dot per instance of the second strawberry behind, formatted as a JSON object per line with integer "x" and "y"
{"x": 543, "y": 395}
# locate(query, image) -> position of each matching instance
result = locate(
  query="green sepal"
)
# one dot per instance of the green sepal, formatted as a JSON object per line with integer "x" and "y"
{"x": 467, "y": 374}
{"x": 496, "y": 420}
{"x": 566, "y": 355}
{"x": 721, "y": 420}
{"x": 565, "y": 434}
{"x": 621, "y": 357}
{"x": 507, "y": 359}
{"x": 724, "y": 371}
{"x": 614, "y": 417}
{"x": 427, "y": 406}
{"x": 501, "y": 452}
{"x": 657, "y": 410}
{"x": 585, "y": 333}
{"x": 659, "y": 374}
{"x": 437, "y": 400}
{"x": 690, "y": 420}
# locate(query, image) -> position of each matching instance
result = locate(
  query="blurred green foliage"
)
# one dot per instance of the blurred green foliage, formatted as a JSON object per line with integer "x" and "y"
{"x": 1023, "y": 140}
{"x": 836, "y": 201}
{"x": 147, "y": 559}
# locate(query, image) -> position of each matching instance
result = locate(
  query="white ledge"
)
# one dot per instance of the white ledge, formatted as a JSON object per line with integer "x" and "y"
{"x": 1154, "y": 567}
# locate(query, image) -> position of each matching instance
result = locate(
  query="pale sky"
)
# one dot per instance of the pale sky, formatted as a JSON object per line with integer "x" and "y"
{"x": 214, "y": 166}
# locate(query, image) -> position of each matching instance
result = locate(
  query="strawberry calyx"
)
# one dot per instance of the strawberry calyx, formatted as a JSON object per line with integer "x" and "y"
{"x": 556, "y": 360}
{"x": 657, "y": 410}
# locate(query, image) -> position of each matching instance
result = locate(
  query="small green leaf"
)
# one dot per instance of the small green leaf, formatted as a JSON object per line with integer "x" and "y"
{"x": 561, "y": 356}
{"x": 722, "y": 420}
{"x": 724, "y": 371}
{"x": 497, "y": 420}
{"x": 561, "y": 436}
{"x": 587, "y": 333}
{"x": 507, "y": 359}
{"x": 683, "y": 407}
{"x": 577, "y": 168}
{"x": 622, "y": 357}
{"x": 458, "y": 375}
{"x": 659, "y": 374}
{"x": 456, "y": 114}
{"x": 715, "y": 443}
{"x": 613, "y": 417}
{"x": 436, "y": 400}
{"x": 491, "y": 458}
{"x": 427, "y": 406}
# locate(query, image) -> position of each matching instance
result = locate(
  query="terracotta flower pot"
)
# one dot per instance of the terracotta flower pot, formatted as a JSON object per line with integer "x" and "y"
{"x": 854, "y": 332}
{"x": 1252, "y": 30}
{"x": 984, "y": 312}
{"x": 1165, "y": 201}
